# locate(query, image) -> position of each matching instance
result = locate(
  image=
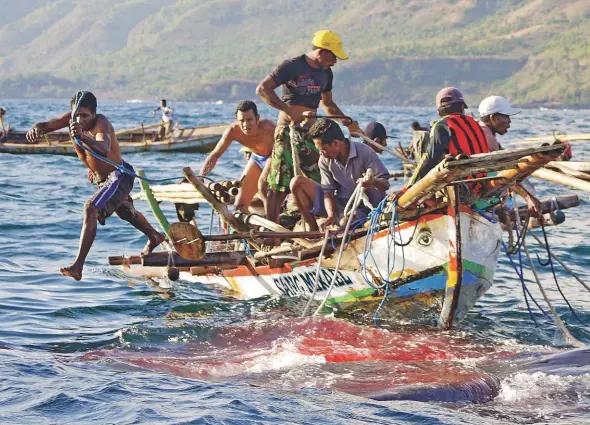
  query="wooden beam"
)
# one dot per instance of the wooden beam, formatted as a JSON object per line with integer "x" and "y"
{"x": 556, "y": 177}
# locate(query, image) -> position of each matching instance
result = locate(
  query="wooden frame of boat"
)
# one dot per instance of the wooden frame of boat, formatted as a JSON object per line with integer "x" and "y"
{"x": 450, "y": 250}
{"x": 141, "y": 139}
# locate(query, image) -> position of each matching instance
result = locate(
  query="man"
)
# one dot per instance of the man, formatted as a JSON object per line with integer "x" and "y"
{"x": 341, "y": 164}
{"x": 454, "y": 133}
{"x": 377, "y": 133}
{"x": 167, "y": 119}
{"x": 306, "y": 83}
{"x": 253, "y": 133}
{"x": 96, "y": 132}
{"x": 495, "y": 113}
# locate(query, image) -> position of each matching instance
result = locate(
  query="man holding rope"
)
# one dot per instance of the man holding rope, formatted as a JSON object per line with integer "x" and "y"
{"x": 342, "y": 164}
{"x": 96, "y": 132}
{"x": 306, "y": 83}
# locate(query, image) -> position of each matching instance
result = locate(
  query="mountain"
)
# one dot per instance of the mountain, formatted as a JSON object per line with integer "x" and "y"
{"x": 534, "y": 52}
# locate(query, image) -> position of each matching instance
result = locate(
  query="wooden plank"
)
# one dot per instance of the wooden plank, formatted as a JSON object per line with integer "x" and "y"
{"x": 162, "y": 259}
{"x": 256, "y": 220}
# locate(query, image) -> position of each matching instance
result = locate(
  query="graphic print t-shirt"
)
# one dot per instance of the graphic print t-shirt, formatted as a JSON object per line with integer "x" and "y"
{"x": 302, "y": 84}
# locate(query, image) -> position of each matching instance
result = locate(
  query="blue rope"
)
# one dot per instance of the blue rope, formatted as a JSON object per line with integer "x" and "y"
{"x": 247, "y": 248}
{"x": 80, "y": 95}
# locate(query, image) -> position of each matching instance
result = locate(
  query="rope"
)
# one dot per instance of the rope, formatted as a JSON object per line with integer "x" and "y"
{"x": 357, "y": 195}
{"x": 79, "y": 96}
{"x": 317, "y": 274}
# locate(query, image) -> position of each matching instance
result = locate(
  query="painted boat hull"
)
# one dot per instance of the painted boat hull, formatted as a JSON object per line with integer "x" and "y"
{"x": 425, "y": 267}
{"x": 195, "y": 139}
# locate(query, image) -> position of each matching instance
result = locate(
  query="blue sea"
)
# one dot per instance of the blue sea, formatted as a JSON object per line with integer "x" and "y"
{"x": 117, "y": 350}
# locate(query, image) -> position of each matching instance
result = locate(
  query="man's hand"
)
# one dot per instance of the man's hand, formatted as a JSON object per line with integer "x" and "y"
{"x": 329, "y": 221}
{"x": 534, "y": 207}
{"x": 368, "y": 182}
{"x": 353, "y": 127}
{"x": 33, "y": 134}
{"x": 295, "y": 116}
{"x": 75, "y": 129}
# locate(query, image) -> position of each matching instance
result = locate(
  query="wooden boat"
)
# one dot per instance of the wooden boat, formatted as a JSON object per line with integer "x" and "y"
{"x": 142, "y": 139}
{"x": 421, "y": 255}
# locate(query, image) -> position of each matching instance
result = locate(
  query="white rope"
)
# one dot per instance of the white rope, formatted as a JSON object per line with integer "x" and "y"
{"x": 357, "y": 196}
{"x": 317, "y": 273}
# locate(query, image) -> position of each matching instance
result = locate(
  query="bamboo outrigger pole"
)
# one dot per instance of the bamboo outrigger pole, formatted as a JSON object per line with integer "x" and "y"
{"x": 556, "y": 177}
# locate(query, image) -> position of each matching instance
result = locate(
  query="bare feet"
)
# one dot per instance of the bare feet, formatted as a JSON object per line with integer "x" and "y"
{"x": 73, "y": 271}
{"x": 154, "y": 241}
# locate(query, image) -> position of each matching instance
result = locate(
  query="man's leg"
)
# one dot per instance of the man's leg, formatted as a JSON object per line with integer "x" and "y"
{"x": 127, "y": 212}
{"x": 248, "y": 187}
{"x": 263, "y": 183}
{"x": 87, "y": 237}
{"x": 303, "y": 190}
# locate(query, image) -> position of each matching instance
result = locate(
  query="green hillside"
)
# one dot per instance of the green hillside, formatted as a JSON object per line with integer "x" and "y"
{"x": 401, "y": 51}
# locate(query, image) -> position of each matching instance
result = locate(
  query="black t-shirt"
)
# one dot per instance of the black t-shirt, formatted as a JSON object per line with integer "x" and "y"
{"x": 302, "y": 84}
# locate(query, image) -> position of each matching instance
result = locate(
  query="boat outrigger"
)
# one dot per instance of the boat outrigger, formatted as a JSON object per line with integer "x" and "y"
{"x": 422, "y": 252}
{"x": 141, "y": 139}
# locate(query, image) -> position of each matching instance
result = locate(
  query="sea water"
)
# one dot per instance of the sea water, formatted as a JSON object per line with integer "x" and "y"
{"x": 113, "y": 349}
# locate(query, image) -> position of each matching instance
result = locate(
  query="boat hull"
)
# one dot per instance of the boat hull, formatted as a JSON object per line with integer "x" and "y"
{"x": 418, "y": 272}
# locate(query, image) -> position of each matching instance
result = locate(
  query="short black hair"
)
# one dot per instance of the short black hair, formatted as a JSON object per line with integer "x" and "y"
{"x": 453, "y": 108}
{"x": 416, "y": 125}
{"x": 245, "y": 106}
{"x": 326, "y": 130}
{"x": 84, "y": 99}
{"x": 163, "y": 101}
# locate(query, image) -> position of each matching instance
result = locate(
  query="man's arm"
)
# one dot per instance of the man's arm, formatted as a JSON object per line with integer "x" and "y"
{"x": 101, "y": 143}
{"x": 266, "y": 91}
{"x": 331, "y": 109}
{"x": 330, "y": 204}
{"x": 434, "y": 151}
{"x": 380, "y": 179}
{"x": 42, "y": 128}
{"x": 220, "y": 148}
{"x": 533, "y": 204}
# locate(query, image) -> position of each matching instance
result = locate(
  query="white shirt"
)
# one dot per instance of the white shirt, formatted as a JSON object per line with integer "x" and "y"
{"x": 166, "y": 113}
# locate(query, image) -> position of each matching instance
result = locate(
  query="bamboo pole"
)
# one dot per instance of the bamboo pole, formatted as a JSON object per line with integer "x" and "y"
{"x": 556, "y": 177}
{"x": 160, "y": 217}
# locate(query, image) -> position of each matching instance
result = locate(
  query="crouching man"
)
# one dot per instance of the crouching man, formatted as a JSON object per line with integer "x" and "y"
{"x": 341, "y": 164}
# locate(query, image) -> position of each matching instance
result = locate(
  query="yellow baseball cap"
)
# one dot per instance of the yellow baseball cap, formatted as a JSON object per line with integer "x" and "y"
{"x": 329, "y": 40}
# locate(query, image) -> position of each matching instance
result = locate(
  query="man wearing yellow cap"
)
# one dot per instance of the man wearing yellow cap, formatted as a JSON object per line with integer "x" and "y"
{"x": 306, "y": 82}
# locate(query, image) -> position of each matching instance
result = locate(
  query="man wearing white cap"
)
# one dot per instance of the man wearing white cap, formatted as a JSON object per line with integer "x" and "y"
{"x": 495, "y": 113}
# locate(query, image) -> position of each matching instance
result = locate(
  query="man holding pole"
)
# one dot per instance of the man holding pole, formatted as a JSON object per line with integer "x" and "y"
{"x": 306, "y": 83}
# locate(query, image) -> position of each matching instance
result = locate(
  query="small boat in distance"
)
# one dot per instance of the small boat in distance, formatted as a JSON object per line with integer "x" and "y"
{"x": 141, "y": 139}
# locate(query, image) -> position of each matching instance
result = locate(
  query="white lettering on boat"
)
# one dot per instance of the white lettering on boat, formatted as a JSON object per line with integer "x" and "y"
{"x": 300, "y": 283}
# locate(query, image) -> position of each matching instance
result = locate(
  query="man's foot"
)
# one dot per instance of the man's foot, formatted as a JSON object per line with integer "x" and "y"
{"x": 154, "y": 241}
{"x": 73, "y": 271}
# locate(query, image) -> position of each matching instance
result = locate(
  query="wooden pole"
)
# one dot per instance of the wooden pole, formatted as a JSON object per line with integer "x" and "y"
{"x": 383, "y": 148}
{"x": 556, "y": 177}
{"x": 260, "y": 221}
{"x": 220, "y": 208}
{"x": 160, "y": 217}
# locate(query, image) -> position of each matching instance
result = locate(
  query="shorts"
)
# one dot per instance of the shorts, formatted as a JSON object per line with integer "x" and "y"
{"x": 281, "y": 160}
{"x": 113, "y": 195}
{"x": 260, "y": 160}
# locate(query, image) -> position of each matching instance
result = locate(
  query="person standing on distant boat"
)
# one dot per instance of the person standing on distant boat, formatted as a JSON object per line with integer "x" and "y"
{"x": 167, "y": 119}
{"x": 96, "y": 132}
{"x": 306, "y": 83}
{"x": 255, "y": 134}
{"x": 495, "y": 113}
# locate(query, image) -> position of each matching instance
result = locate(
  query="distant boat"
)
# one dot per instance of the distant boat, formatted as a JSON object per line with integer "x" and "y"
{"x": 134, "y": 101}
{"x": 141, "y": 139}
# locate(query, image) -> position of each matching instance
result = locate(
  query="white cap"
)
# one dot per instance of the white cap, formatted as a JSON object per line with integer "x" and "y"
{"x": 496, "y": 105}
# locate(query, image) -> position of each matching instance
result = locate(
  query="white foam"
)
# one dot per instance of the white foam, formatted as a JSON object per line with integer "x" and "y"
{"x": 540, "y": 386}
{"x": 284, "y": 355}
